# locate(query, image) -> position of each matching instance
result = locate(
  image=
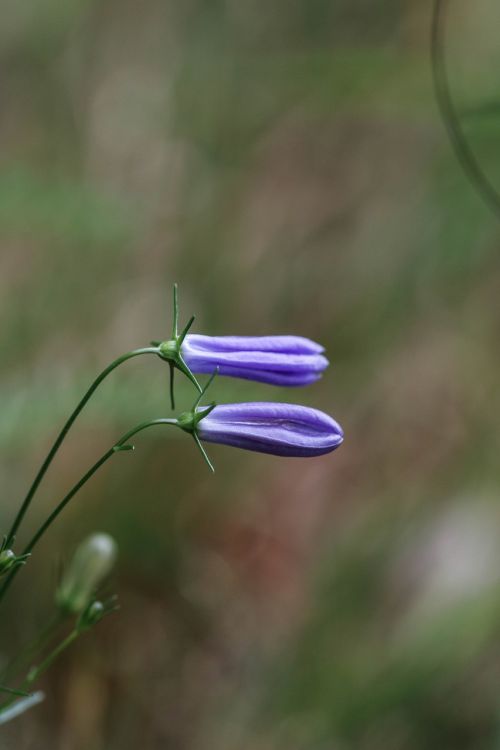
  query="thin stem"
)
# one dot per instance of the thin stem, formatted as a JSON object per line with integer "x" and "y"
{"x": 57, "y": 444}
{"x": 36, "y": 672}
{"x": 451, "y": 119}
{"x": 175, "y": 318}
{"x": 13, "y": 691}
{"x": 118, "y": 446}
{"x": 36, "y": 645}
{"x": 172, "y": 396}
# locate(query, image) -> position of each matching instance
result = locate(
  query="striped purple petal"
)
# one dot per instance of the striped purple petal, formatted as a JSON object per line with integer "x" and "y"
{"x": 279, "y": 429}
{"x": 279, "y": 360}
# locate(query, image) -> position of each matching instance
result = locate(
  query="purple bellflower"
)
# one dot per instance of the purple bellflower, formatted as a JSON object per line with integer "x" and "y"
{"x": 279, "y": 429}
{"x": 279, "y": 360}
{"x": 275, "y": 428}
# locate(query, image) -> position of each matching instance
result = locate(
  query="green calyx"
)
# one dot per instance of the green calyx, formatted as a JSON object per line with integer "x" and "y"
{"x": 94, "y": 613}
{"x": 189, "y": 420}
{"x": 171, "y": 350}
{"x": 9, "y": 559}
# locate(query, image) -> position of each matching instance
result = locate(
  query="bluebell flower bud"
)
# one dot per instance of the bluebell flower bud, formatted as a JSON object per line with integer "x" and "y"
{"x": 91, "y": 563}
{"x": 279, "y": 360}
{"x": 279, "y": 429}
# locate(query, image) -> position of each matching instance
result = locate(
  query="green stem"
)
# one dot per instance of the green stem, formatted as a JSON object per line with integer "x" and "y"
{"x": 13, "y": 691}
{"x": 37, "y": 644}
{"x": 36, "y": 672}
{"x": 172, "y": 395}
{"x": 51, "y": 454}
{"x": 119, "y": 446}
{"x": 175, "y": 316}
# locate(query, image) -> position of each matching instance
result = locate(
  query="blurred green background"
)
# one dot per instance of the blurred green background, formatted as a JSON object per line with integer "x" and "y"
{"x": 285, "y": 163}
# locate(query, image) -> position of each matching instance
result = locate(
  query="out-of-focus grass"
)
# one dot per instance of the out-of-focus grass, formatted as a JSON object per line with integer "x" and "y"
{"x": 286, "y": 165}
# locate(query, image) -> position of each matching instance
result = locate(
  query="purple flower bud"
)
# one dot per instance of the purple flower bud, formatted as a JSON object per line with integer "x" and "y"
{"x": 280, "y": 360}
{"x": 280, "y": 429}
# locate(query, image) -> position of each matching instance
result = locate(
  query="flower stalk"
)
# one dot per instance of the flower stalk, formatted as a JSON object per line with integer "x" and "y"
{"x": 121, "y": 445}
{"x": 60, "y": 438}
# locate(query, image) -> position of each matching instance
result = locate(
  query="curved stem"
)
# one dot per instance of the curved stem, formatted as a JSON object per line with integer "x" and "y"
{"x": 451, "y": 119}
{"x": 51, "y": 454}
{"x": 122, "y": 444}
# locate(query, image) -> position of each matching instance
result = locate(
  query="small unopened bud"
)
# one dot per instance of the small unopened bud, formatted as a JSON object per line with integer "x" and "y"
{"x": 9, "y": 560}
{"x": 91, "y": 615}
{"x": 91, "y": 563}
{"x": 94, "y": 613}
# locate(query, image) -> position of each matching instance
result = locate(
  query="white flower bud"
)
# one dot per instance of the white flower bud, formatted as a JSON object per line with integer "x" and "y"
{"x": 91, "y": 563}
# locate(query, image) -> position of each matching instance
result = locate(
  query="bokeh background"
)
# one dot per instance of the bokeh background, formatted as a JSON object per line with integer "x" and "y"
{"x": 286, "y": 164}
